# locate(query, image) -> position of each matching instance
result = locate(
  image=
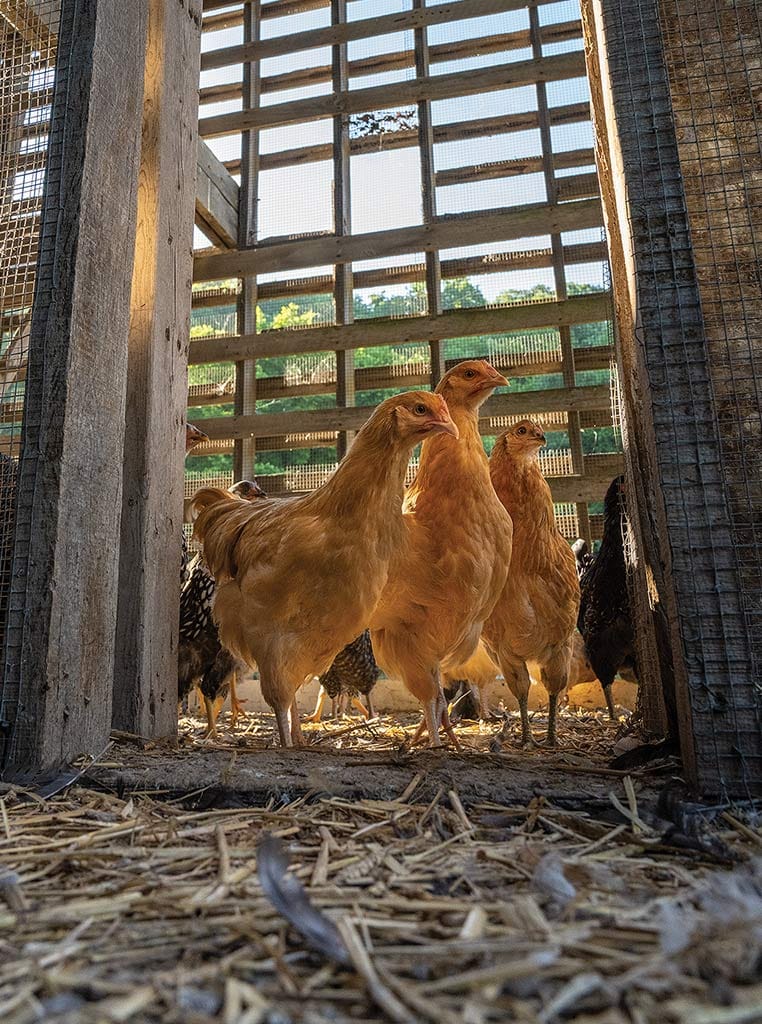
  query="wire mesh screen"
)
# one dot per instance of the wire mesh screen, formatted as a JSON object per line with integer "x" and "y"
{"x": 684, "y": 80}
{"x": 27, "y": 69}
{"x": 405, "y": 168}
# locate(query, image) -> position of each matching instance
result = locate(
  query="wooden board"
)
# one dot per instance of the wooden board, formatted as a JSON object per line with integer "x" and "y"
{"x": 530, "y": 221}
{"x": 453, "y": 323}
{"x": 145, "y": 673}
{"x": 216, "y": 199}
{"x": 63, "y": 600}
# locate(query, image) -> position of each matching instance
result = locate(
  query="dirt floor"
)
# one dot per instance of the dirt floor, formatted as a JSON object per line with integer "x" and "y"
{"x": 487, "y": 886}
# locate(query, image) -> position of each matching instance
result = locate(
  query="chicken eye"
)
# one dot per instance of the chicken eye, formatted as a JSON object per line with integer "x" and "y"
{"x": 420, "y": 410}
{"x": 469, "y": 374}
{"x": 522, "y": 430}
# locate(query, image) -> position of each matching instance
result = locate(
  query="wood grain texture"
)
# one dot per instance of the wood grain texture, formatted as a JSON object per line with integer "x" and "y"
{"x": 216, "y": 199}
{"x": 145, "y": 669}
{"x": 63, "y": 600}
{"x": 453, "y": 323}
{"x": 530, "y": 221}
{"x": 459, "y": 83}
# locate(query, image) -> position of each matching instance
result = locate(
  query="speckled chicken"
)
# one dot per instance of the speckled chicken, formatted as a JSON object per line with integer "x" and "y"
{"x": 193, "y": 436}
{"x": 202, "y": 660}
{"x": 353, "y": 674}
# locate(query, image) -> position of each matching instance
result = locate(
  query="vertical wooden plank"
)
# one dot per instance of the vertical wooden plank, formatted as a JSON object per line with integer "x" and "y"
{"x": 429, "y": 197}
{"x": 559, "y": 272}
{"x": 669, "y": 394}
{"x": 63, "y": 601}
{"x": 342, "y": 214}
{"x": 245, "y": 453}
{"x": 145, "y": 671}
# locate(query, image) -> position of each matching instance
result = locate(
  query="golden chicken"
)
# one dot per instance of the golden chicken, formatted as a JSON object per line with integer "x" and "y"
{"x": 298, "y": 580}
{"x": 536, "y": 616}
{"x": 454, "y": 562}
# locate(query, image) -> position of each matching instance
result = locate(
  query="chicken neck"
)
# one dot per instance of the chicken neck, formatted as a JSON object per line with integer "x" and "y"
{"x": 523, "y": 490}
{"x": 368, "y": 482}
{"x": 450, "y": 465}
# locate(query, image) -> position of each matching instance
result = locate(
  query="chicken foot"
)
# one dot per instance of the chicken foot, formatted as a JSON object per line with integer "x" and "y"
{"x": 436, "y": 717}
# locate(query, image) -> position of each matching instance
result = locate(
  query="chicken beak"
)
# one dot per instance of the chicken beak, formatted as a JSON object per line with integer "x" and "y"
{"x": 499, "y": 381}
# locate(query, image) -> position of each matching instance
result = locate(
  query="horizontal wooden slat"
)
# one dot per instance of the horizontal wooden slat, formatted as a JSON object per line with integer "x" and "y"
{"x": 511, "y": 168}
{"x": 529, "y": 221}
{"x": 570, "y": 113}
{"x": 597, "y": 357}
{"x": 355, "y": 101}
{"x": 493, "y": 263}
{"x": 282, "y": 9}
{"x": 340, "y": 419}
{"x": 366, "y": 28}
{"x": 454, "y": 323}
{"x": 382, "y": 63}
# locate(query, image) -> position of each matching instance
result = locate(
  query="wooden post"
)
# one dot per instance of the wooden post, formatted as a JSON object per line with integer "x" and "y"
{"x": 429, "y": 197}
{"x": 342, "y": 210}
{"x": 245, "y": 455}
{"x": 559, "y": 272}
{"x": 63, "y": 600}
{"x": 145, "y": 674}
{"x": 676, "y": 459}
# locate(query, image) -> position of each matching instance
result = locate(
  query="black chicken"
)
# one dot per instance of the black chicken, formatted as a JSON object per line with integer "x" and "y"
{"x": 604, "y": 620}
{"x": 202, "y": 660}
{"x": 354, "y": 672}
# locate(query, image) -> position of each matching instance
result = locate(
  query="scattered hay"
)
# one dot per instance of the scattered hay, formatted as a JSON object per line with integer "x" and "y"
{"x": 140, "y": 910}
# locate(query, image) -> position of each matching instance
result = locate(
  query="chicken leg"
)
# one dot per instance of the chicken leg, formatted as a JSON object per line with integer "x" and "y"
{"x": 517, "y": 678}
{"x": 236, "y": 705}
{"x": 436, "y": 717}
{"x": 554, "y": 674}
{"x": 317, "y": 714}
{"x": 213, "y": 708}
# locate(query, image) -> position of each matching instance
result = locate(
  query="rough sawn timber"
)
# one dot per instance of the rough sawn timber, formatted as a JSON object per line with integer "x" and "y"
{"x": 63, "y": 600}
{"x": 145, "y": 670}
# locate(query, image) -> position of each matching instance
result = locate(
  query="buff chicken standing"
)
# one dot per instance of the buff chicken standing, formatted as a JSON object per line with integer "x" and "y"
{"x": 455, "y": 558}
{"x": 298, "y": 580}
{"x": 536, "y": 616}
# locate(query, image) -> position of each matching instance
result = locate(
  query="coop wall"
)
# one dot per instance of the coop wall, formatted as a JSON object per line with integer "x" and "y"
{"x": 28, "y": 44}
{"x": 680, "y": 161}
{"x": 446, "y": 156}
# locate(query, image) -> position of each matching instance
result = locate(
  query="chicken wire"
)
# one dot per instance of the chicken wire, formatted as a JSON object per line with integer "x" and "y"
{"x": 498, "y": 150}
{"x": 686, "y": 78}
{"x": 27, "y": 73}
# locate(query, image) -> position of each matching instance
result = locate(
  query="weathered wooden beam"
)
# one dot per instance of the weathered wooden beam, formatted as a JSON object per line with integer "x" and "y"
{"x": 452, "y": 323}
{"x": 594, "y": 357}
{"x": 365, "y": 28}
{"x": 683, "y": 443}
{"x": 493, "y": 263}
{"x": 381, "y": 142}
{"x": 459, "y": 83}
{"x": 216, "y": 199}
{"x": 523, "y": 403}
{"x": 145, "y": 667}
{"x": 459, "y": 49}
{"x": 57, "y": 692}
{"x": 443, "y": 232}
{"x": 511, "y": 168}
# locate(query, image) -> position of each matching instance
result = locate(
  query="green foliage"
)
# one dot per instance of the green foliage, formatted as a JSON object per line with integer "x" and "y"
{"x": 314, "y": 310}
